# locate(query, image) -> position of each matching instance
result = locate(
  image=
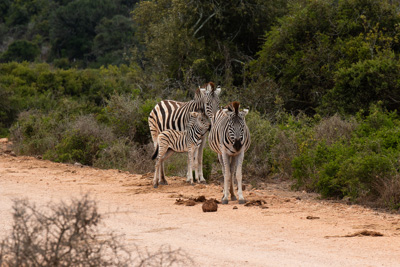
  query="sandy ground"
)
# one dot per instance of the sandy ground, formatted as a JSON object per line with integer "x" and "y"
{"x": 291, "y": 229}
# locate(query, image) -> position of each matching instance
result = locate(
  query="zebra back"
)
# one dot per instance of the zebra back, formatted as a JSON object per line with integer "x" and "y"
{"x": 229, "y": 132}
{"x": 169, "y": 114}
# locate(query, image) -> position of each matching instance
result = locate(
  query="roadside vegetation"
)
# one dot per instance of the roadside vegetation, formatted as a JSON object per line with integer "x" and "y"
{"x": 321, "y": 79}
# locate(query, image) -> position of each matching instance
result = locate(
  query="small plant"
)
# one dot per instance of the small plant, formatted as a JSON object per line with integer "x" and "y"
{"x": 68, "y": 235}
{"x": 61, "y": 235}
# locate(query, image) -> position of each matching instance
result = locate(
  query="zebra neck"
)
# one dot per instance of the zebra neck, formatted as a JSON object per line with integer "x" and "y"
{"x": 194, "y": 136}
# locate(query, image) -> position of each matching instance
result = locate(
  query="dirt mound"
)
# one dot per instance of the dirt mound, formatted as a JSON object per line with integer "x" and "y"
{"x": 210, "y": 206}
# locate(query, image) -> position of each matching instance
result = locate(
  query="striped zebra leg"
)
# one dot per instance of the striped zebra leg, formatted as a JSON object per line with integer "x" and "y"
{"x": 163, "y": 154}
{"x": 162, "y": 179}
{"x": 227, "y": 177}
{"x": 239, "y": 163}
{"x": 199, "y": 158}
{"x": 232, "y": 180}
{"x": 191, "y": 154}
{"x": 196, "y": 164}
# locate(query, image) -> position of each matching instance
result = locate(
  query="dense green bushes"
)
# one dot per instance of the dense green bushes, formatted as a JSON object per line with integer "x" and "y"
{"x": 358, "y": 165}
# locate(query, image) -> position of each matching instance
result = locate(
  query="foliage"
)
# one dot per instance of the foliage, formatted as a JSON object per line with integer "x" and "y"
{"x": 20, "y": 51}
{"x": 68, "y": 234}
{"x": 206, "y": 40}
{"x": 61, "y": 235}
{"x": 354, "y": 166}
{"x": 322, "y": 46}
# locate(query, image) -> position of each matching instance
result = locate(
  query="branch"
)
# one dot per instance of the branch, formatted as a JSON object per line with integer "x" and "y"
{"x": 202, "y": 25}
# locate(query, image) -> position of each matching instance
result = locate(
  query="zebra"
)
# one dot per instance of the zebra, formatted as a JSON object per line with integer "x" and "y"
{"x": 170, "y": 141}
{"x": 230, "y": 137}
{"x": 169, "y": 114}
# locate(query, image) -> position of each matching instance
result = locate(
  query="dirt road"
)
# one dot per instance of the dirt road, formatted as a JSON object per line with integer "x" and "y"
{"x": 292, "y": 228}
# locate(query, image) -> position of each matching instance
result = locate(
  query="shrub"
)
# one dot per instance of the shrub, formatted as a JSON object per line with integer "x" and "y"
{"x": 128, "y": 115}
{"x": 357, "y": 166}
{"x": 125, "y": 155}
{"x": 35, "y": 133}
{"x": 68, "y": 234}
{"x": 259, "y": 159}
{"x": 61, "y": 235}
{"x": 82, "y": 142}
{"x": 19, "y": 51}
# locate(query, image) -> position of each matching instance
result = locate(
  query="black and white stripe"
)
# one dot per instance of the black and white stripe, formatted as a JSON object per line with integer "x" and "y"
{"x": 169, "y": 114}
{"x": 230, "y": 137}
{"x": 170, "y": 141}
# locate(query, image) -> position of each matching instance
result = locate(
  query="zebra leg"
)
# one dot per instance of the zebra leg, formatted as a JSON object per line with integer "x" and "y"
{"x": 189, "y": 174}
{"x": 162, "y": 179}
{"x": 232, "y": 180}
{"x": 190, "y": 171}
{"x": 227, "y": 175}
{"x": 221, "y": 161}
{"x": 200, "y": 158}
{"x": 239, "y": 164}
{"x": 156, "y": 173}
{"x": 162, "y": 173}
{"x": 195, "y": 163}
{"x": 163, "y": 153}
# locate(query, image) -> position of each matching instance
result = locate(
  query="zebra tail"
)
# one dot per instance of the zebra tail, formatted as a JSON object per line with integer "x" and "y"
{"x": 155, "y": 153}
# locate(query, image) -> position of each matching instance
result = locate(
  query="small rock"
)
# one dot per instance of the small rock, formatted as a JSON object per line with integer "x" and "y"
{"x": 200, "y": 199}
{"x": 190, "y": 203}
{"x": 312, "y": 218}
{"x": 235, "y": 207}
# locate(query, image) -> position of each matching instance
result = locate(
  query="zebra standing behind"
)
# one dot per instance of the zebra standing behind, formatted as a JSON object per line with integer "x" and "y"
{"x": 170, "y": 141}
{"x": 169, "y": 114}
{"x": 230, "y": 137}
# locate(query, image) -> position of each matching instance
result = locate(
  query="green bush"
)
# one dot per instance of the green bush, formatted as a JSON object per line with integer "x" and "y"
{"x": 19, "y": 51}
{"x": 82, "y": 142}
{"x": 354, "y": 166}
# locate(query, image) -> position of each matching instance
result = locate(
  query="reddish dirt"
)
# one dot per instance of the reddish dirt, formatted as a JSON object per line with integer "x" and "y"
{"x": 288, "y": 229}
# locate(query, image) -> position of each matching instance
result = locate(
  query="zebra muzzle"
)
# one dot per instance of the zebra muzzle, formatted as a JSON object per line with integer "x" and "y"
{"x": 237, "y": 145}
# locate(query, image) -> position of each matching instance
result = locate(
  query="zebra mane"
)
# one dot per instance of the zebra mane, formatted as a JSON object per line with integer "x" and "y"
{"x": 208, "y": 86}
{"x": 233, "y": 107}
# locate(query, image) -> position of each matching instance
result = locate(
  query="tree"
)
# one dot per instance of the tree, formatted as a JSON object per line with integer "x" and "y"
{"x": 73, "y": 27}
{"x": 304, "y": 52}
{"x": 20, "y": 51}
{"x": 114, "y": 38}
{"x": 204, "y": 40}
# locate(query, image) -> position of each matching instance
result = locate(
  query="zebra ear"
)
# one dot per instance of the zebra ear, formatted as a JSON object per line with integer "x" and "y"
{"x": 245, "y": 111}
{"x": 218, "y": 90}
{"x": 202, "y": 90}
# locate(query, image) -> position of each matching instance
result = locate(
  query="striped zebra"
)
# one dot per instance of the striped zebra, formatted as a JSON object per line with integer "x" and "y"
{"x": 170, "y": 141}
{"x": 230, "y": 137}
{"x": 169, "y": 114}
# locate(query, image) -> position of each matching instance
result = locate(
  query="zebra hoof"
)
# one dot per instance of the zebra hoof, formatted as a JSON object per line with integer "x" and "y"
{"x": 224, "y": 201}
{"x": 155, "y": 186}
{"x": 242, "y": 201}
{"x": 203, "y": 182}
{"x": 233, "y": 198}
{"x": 163, "y": 182}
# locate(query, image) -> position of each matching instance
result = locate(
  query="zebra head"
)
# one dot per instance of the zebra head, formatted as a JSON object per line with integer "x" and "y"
{"x": 199, "y": 122}
{"x": 210, "y": 98}
{"x": 236, "y": 125}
